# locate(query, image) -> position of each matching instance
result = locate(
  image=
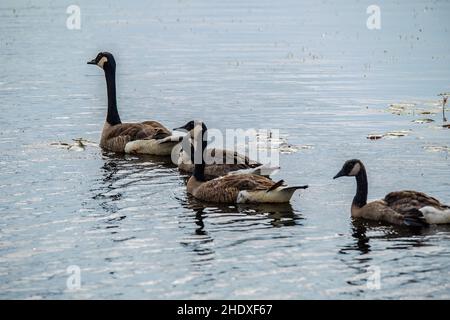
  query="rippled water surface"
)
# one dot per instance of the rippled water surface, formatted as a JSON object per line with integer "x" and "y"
{"x": 311, "y": 69}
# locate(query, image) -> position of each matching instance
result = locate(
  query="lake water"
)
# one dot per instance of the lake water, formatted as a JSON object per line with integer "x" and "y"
{"x": 311, "y": 69}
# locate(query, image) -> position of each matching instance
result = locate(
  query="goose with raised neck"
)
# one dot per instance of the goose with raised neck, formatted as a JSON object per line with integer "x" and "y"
{"x": 147, "y": 137}
{"x": 407, "y": 207}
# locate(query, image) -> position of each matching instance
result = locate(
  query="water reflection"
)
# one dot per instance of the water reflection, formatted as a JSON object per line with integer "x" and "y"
{"x": 381, "y": 231}
{"x": 209, "y": 224}
{"x": 122, "y": 180}
{"x": 121, "y": 171}
{"x": 372, "y": 240}
{"x": 278, "y": 215}
{"x": 60, "y": 206}
{"x": 361, "y": 239}
{"x": 199, "y": 222}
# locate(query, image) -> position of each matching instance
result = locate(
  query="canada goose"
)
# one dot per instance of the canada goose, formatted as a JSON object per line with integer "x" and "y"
{"x": 236, "y": 188}
{"x": 411, "y": 208}
{"x": 148, "y": 137}
{"x": 220, "y": 162}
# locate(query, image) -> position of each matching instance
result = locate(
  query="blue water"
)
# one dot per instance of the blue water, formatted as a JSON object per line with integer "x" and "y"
{"x": 310, "y": 69}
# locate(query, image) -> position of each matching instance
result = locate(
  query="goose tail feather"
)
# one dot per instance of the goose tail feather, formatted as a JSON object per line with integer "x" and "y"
{"x": 276, "y": 185}
{"x": 295, "y": 188}
{"x": 415, "y": 218}
{"x": 433, "y": 215}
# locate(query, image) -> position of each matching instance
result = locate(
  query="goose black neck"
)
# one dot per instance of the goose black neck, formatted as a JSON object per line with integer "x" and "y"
{"x": 360, "y": 199}
{"x": 199, "y": 168}
{"x": 199, "y": 172}
{"x": 113, "y": 115}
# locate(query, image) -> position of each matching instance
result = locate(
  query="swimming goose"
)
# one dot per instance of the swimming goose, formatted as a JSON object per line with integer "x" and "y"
{"x": 220, "y": 162}
{"x": 236, "y": 188}
{"x": 148, "y": 137}
{"x": 411, "y": 208}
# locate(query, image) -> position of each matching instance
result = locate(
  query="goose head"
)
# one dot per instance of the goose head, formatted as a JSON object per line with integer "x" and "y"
{"x": 194, "y": 128}
{"x": 350, "y": 168}
{"x": 198, "y": 133}
{"x": 104, "y": 60}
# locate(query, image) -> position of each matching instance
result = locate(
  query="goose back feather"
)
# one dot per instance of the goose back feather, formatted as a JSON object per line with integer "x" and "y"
{"x": 241, "y": 188}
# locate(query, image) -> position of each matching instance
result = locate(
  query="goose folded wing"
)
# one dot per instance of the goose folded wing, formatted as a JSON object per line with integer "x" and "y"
{"x": 157, "y": 128}
{"x": 116, "y": 144}
{"x": 123, "y": 129}
{"x": 148, "y": 132}
{"x": 138, "y": 131}
{"x": 226, "y": 189}
{"x": 246, "y": 182}
{"x": 405, "y": 201}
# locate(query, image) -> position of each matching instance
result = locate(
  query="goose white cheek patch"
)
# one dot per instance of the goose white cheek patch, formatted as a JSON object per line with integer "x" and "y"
{"x": 102, "y": 61}
{"x": 355, "y": 170}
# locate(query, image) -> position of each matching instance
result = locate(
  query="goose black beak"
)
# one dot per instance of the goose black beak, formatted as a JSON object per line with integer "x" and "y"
{"x": 179, "y": 129}
{"x": 339, "y": 174}
{"x": 92, "y": 62}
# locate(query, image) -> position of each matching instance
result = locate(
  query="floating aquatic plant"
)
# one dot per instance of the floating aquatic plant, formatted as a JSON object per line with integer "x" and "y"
{"x": 410, "y": 108}
{"x": 79, "y": 144}
{"x": 401, "y": 108}
{"x": 400, "y": 133}
{"x": 426, "y": 120}
{"x": 267, "y": 140}
{"x": 390, "y": 134}
{"x": 375, "y": 136}
{"x": 437, "y": 148}
{"x": 290, "y": 148}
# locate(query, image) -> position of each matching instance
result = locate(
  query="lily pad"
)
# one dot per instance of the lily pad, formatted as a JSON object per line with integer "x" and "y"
{"x": 427, "y": 112}
{"x": 79, "y": 144}
{"x": 375, "y": 136}
{"x": 437, "y": 148}
{"x": 413, "y": 108}
{"x": 425, "y": 120}
{"x": 400, "y": 133}
{"x": 401, "y": 108}
{"x": 391, "y": 134}
{"x": 306, "y": 146}
{"x": 288, "y": 148}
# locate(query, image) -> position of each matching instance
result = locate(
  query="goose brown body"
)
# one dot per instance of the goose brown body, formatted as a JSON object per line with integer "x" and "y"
{"x": 115, "y": 138}
{"x": 407, "y": 207}
{"x": 226, "y": 189}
